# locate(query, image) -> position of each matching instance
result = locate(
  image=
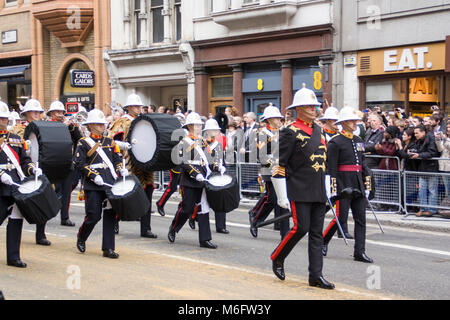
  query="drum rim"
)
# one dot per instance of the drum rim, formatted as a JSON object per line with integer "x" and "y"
{"x": 132, "y": 177}
{"x": 214, "y": 174}
{"x": 42, "y": 178}
{"x": 150, "y": 118}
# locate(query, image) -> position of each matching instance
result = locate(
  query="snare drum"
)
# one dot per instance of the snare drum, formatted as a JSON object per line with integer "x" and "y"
{"x": 222, "y": 192}
{"x": 128, "y": 199}
{"x": 37, "y": 200}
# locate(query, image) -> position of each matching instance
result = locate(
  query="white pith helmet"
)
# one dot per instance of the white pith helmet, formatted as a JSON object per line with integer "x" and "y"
{"x": 56, "y": 106}
{"x": 133, "y": 100}
{"x": 32, "y": 105}
{"x": 96, "y": 116}
{"x": 4, "y": 110}
{"x": 304, "y": 97}
{"x": 193, "y": 118}
{"x": 348, "y": 114}
{"x": 331, "y": 114}
{"x": 211, "y": 124}
{"x": 271, "y": 112}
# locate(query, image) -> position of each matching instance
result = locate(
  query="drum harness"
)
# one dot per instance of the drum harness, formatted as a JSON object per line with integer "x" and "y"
{"x": 104, "y": 157}
{"x": 9, "y": 153}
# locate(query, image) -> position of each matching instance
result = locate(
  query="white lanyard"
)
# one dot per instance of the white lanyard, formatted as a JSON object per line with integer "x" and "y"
{"x": 8, "y": 151}
{"x": 269, "y": 133}
{"x": 104, "y": 157}
{"x": 202, "y": 155}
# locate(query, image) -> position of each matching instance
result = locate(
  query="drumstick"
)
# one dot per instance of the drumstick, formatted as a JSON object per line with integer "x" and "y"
{"x": 36, "y": 177}
{"x": 107, "y": 184}
{"x": 20, "y": 186}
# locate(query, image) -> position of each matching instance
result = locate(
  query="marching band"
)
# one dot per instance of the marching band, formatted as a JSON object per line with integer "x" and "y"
{"x": 305, "y": 168}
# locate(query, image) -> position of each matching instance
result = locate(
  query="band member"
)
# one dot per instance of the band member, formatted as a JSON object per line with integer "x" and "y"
{"x": 268, "y": 157}
{"x": 347, "y": 169}
{"x": 32, "y": 111}
{"x": 299, "y": 182}
{"x": 174, "y": 180}
{"x": 14, "y": 166}
{"x": 64, "y": 189}
{"x": 216, "y": 159}
{"x": 119, "y": 132}
{"x": 99, "y": 160}
{"x": 194, "y": 171}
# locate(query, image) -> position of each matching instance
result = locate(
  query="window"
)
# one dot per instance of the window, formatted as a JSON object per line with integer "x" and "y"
{"x": 137, "y": 11}
{"x": 10, "y": 3}
{"x": 222, "y": 87}
{"x": 157, "y": 19}
{"x": 177, "y": 12}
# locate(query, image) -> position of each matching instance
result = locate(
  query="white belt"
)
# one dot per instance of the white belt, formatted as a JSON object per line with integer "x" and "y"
{"x": 99, "y": 166}
{"x": 196, "y": 162}
{"x": 8, "y": 166}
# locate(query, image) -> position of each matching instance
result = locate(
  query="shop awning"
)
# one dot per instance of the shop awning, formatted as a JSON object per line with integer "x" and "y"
{"x": 15, "y": 71}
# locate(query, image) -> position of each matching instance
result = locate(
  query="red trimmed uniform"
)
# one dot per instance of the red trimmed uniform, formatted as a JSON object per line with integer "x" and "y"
{"x": 303, "y": 164}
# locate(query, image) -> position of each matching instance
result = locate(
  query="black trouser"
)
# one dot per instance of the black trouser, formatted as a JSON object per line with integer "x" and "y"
{"x": 64, "y": 192}
{"x": 358, "y": 206}
{"x": 94, "y": 208}
{"x": 221, "y": 220}
{"x": 191, "y": 197}
{"x": 13, "y": 229}
{"x": 146, "y": 220}
{"x": 266, "y": 204}
{"x": 308, "y": 217}
{"x": 171, "y": 188}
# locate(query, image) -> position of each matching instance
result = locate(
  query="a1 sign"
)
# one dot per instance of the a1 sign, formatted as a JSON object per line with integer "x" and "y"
{"x": 82, "y": 78}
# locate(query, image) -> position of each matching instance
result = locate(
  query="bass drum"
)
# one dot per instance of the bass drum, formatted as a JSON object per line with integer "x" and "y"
{"x": 151, "y": 142}
{"x": 128, "y": 199}
{"x": 51, "y": 145}
{"x": 36, "y": 200}
{"x": 222, "y": 192}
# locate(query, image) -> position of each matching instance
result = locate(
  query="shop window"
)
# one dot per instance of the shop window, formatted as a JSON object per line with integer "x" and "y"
{"x": 83, "y": 95}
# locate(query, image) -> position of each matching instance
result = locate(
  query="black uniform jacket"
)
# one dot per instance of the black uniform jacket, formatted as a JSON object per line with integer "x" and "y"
{"x": 303, "y": 162}
{"x": 18, "y": 145}
{"x": 191, "y": 163}
{"x": 346, "y": 163}
{"x": 84, "y": 163}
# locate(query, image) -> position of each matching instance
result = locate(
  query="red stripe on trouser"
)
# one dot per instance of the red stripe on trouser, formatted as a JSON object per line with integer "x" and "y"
{"x": 333, "y": 222}
{"x": 167, "y": 190}
{"x": 194, "y": 214}
{"x": 264, "y": 203}
{"x": 258, "y": 205}
{"x": 289, "y": 235}
{"x": 177, "y": 215}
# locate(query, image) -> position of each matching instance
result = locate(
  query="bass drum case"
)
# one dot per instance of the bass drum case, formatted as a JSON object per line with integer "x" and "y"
{"x": 223, "y": 198}
{"x": 40, "y": 205}
{"x": 51, "y": 145}
{"x": 153, "y": 135}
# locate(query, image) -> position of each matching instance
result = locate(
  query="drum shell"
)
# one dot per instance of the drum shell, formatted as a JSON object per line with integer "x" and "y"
{"x": 39, "y": 206}
{"x": 224, "y": 198}
{"x": 164, "y": 125}
{"x": 55, "y": 148}
{"x": 131, "y": 206}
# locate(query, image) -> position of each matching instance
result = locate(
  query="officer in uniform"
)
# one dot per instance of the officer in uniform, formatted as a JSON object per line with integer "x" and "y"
{"x": 299, "y": 182}
{"x": 268, "y": 157}
{"x": 14, "y": 165}
{"x": 119, "y": 132}
{"x": 347, "y": 169}
{"x": 99, "y": 159}
{"x": 64, "y": 189}
{"x": 32, "y": 111}
{"x": 194, "y": 171}
{"x": 216, "y": 159}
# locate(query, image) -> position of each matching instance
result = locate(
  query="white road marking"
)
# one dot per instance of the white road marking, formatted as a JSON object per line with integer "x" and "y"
{"x": 401, "y": 246}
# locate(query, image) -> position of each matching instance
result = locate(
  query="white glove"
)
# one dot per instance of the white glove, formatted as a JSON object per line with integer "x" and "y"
{"x": 330, "y": 194}
{"x": 37, "y": 172}
{"x": 200, "y": 178}
{"x": 124, "y": 172}
{"x": 6, "y": 179}
{"x": 222, "y": 170}
{"x": 123, "y": 145}
{"x": 367, "y": 192}
{"x": 281, "y": 191}
{"x": 99, "y": 181}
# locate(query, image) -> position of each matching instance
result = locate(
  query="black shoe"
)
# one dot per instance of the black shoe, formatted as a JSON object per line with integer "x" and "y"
{"x": 192, "y": 223}
{"x": 362, "y": 258}
{"x": 347, "y": 235}
{"x": 324, "y": 250}
{"x": 1, "y": 295}
{"x": 116, "y": 227}
{"x": 171, "y": 236}
{"x": 224, "y": 231}
{"x": 148, "y": 234}
{"x": 43, "y": 242}
{"x": 67, "y": 223}
{"x": 160, "y": 210}
{"x": 81, "y": 246}
{"x": 207, "y": 244}
{"x": 110, "y": 254}
{"x": 253, "y": 229}
{"x": 320, "y": 282}
{"x": 17, "y": 264}
{"x": 278, "y": 269}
